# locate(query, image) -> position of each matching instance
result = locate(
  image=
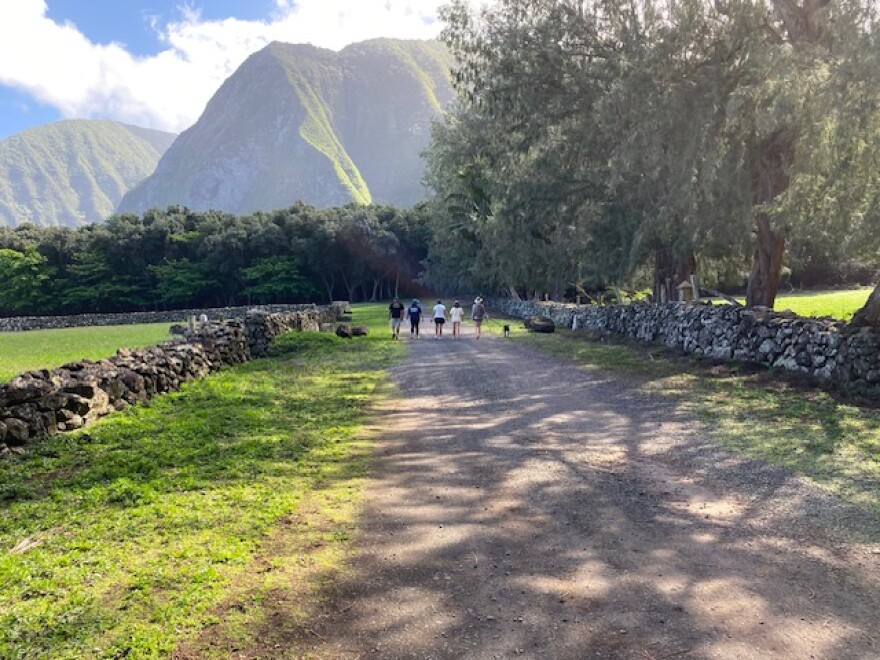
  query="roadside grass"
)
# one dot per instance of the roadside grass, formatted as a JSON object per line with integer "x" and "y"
{"x": 835, "y": 304}
{"x": 833, "y": 443}
{"x": 46, "y": 349}
{"x": 138, "y": 535}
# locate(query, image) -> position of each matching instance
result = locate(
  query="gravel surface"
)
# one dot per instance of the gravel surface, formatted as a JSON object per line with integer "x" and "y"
{"x": 523, "y": 507}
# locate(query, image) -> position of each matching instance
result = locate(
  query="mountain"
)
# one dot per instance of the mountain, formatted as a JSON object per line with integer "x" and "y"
{"x": 297, "y": 122}
{"x": 74, "y": 172}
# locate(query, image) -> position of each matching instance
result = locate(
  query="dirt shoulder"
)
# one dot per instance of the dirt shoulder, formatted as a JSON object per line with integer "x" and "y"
{"x": 522, "y": 507}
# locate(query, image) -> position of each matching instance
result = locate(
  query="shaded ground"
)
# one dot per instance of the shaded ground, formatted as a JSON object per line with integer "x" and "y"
{"x": 522, "y": 507}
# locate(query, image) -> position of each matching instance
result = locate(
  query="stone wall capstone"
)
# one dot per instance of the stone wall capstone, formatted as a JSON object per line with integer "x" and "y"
{"x": 827, "y": 349}
{"x": 40, "y": 403}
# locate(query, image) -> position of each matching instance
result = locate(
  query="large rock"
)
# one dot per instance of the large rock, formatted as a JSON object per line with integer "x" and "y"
{"x": 17, "y": 432}
{"x": 541, "y": 324}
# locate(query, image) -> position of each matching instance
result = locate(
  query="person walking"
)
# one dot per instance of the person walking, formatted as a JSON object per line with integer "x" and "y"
{"x": 455, "y": 314}
{"x": 395, "y": 313}
{"x": 414, "y": 315}
{"x": 439, "y": 315}
{"x": 478, "y": 314}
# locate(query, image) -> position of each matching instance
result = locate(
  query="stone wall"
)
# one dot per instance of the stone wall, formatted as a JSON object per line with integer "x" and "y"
{"x": 824, "y": 348}
{"x": 40, "y": 403}
{"x": 18, "y": 323}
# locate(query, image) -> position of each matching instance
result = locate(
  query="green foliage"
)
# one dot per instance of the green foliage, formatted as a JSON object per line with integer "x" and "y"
{"x": 143, "y": 527}
{"x": 181, "y": 280}
{"x": 593, "y": 146}
{"x": 275, "y": 279}
{"x": 94, "y": 285}
{"x": 25, "y": 276}
{"x": 46, "y": 349}
{"x": 177, "y": 257}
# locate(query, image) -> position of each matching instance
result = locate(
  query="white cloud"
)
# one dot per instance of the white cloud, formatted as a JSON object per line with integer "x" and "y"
{"x": 59, "y": 66}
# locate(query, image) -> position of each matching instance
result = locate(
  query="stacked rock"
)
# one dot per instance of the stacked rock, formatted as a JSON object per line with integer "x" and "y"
{"x": 827, "y": 349}
{"x": 39, "y": 403}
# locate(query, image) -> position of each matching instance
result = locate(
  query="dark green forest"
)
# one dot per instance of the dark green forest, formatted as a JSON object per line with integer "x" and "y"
{"x": 638, "y": 144}
{"x": 178, "y": 258}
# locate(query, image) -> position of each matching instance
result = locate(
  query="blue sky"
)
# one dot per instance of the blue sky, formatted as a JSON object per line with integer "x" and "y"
{"x": 156, "y": 63}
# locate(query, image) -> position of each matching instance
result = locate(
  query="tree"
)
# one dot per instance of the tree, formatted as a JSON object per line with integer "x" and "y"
{"x": 182, "y": 281}
{"x": 25, "y": 276}
{"x": 275, "y": 279}
{"x": 715, "y": 130}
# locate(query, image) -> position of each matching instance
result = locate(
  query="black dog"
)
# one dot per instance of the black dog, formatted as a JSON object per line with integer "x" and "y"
{"x": 506, "y": 330}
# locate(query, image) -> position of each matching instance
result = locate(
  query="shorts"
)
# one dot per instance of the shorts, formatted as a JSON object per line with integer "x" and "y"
{"x": 439, "y": 320}
{"x": 478, "y": 322}
{"x": 395, "y": 324}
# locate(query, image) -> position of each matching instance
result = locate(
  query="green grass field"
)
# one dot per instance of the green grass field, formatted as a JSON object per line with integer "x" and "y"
{"x": 46, "y": 349}
{"x": 833, "y": 443}
{"x": 836, "y": 304}
{"x": 173, "y": 525}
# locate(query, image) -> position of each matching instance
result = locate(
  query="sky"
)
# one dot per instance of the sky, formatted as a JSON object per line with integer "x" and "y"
{"x": 156, "y": 63}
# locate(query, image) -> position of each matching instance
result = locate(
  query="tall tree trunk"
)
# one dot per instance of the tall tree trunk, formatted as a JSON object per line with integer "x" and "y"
{"x": 329, "y": 284}
{"x": 770, "y": 180}
{"x": 767, "y": 265}
{"x": 869, "y": 315}
{"x": 373, "y": 298}
{"x": 670, "y": 270}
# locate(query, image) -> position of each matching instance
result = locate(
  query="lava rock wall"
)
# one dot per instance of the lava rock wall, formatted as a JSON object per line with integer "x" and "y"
{"x": 40, "y": 403}
{"x": 824, "y": 348}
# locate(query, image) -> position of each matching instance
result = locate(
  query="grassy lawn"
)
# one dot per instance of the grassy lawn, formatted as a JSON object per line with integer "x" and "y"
{"x": 46, "y": 349}
{"x": 836, "y": 304}
{"x": 834, "y": 444}
{"x": 171, "y": 526}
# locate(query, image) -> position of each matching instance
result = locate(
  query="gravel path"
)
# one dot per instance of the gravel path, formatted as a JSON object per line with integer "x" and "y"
{"x": 522, "y": 507}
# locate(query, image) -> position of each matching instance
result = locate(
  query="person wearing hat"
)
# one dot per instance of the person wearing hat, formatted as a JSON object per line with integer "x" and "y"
{"x": 414, "y": 315}
{"x": 478, "y": 314}
{"x": 395, "y": 312}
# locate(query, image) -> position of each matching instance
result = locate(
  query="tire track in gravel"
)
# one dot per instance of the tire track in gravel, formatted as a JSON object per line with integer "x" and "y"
{"x": 523, "y": 507}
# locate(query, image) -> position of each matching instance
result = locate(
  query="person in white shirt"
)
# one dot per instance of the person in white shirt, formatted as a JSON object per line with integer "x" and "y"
{"x": 439, "y": 318}
{"x": 455, "y": 314}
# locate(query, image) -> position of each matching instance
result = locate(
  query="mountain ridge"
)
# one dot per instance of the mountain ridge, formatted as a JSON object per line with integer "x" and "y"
{"x": 74, "y": 171}
{"x": 297, "y": 122}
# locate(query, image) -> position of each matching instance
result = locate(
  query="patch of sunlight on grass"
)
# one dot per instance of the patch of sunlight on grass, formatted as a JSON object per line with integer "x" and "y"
{"x": 47, "y": 349}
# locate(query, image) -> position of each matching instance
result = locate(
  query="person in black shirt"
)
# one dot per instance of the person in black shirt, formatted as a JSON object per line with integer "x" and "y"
{"x": 414, "y": 314}
{"x": 395, "y": 311}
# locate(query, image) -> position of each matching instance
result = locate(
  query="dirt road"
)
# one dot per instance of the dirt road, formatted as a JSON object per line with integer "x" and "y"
{"x": 523, "y": 507}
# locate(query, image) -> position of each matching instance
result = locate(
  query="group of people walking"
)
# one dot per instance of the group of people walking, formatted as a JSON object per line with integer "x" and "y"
{"x": 414, "y": 313}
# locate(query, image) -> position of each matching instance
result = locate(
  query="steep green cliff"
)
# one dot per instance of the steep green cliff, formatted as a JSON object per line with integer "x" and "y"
{"x": 74, "y": 172}
{"x": 297, "y": 122}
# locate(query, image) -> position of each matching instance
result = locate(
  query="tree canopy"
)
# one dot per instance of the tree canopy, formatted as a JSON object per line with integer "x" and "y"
{"x": 604, "y": 142}
{"x": 179, "y": 258}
